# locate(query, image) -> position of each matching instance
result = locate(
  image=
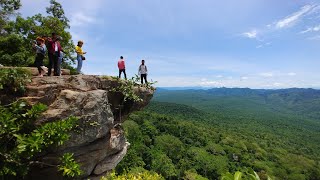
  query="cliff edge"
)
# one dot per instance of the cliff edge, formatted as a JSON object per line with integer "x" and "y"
{"x": 99, "y": 143}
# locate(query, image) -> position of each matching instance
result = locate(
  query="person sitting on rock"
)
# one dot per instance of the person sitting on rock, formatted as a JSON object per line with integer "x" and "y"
{"x": 40, "y": 49}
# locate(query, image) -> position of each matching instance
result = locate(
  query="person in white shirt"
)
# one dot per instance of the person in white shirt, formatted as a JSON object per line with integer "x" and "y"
{"x": 143, "y": 71}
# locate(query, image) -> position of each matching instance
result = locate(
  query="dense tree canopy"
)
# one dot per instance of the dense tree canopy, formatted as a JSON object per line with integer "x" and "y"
{"x": 169, "y": 140}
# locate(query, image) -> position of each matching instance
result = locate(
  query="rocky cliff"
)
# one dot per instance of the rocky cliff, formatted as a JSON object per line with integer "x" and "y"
{"x": 99, "y": 143}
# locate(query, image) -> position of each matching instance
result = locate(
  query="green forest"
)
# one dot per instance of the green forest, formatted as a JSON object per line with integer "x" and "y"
{"x": 207, "y": 134}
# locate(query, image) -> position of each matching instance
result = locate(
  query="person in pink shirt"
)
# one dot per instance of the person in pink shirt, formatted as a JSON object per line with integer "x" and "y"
{"x": 122, "y": 67}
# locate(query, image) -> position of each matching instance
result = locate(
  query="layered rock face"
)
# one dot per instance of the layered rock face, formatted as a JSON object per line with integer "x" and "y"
{"x": 98, "y": 144}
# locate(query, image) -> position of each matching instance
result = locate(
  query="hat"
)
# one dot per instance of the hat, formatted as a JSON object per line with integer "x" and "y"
{"x": 40, "y": 39}
{"x": 80, "y": 41}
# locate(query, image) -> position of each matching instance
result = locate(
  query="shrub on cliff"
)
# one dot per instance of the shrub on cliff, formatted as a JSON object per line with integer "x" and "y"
{"x": 13, "y": 81}
{"x": 21, "y": 141}
{"x": 137, "y": 173}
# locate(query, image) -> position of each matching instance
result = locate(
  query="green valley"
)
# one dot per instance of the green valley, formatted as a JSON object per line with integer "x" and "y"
{"x": 208, "y": 133}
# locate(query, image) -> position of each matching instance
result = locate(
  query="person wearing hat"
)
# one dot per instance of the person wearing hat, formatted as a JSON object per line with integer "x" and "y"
{"x": 40, "y": 49}
{"x": 80, "y": 56}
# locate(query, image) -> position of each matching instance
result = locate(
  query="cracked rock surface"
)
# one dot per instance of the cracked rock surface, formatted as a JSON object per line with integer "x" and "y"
{"x": 99, "y": 143}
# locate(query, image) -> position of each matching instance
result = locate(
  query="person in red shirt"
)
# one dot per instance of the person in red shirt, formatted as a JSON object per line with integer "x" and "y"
{"x": 122, "y": 67}
{"x": 54, "y": 50}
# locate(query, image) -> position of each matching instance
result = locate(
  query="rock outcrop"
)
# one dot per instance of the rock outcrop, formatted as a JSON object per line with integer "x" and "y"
{"x": 34, "y": 70}
{"x": 100, "y": 144}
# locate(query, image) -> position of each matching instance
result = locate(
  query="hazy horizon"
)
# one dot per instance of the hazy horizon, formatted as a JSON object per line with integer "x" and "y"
{"x": 206, "y": 88}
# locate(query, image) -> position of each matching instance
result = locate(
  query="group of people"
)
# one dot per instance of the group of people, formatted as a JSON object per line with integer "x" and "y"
{"x": 142, "y": 71}
{"x": 55, "y": 54}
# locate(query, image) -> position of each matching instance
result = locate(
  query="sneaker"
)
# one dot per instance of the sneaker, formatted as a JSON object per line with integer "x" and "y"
{"x": 45, "y": 69}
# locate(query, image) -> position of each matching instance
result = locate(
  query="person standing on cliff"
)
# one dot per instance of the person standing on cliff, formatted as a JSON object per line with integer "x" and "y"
{"x": 40, "y": 49}
{"x": 143, "y": 71}
{"x": 122, "y": 67}
{"x": 54, "y": 49}
{"x": 80, "y": 57}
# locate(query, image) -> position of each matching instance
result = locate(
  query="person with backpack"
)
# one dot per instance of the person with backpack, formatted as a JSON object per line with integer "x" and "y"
{"x": 80, "y": 57}
{"x": 122, "y": 67}
{"x": 143, "y": 71}
{"x": 40, "y": 49}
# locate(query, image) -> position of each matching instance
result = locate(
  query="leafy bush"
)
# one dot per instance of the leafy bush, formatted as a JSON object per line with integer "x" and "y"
{"x": 127, "y": 88}
{"x": 250, "y": 175}
{"x": 192, "y": 175}
{"x": 138, "y": 174}
{"x": 69, "y": 166}
{"x": 13, "y": 81}
{"x": 21, "y": 140}
{"x": 14, "y": 51}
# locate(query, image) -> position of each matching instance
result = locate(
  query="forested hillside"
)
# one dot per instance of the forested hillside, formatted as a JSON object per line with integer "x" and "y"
{"x": 294, "y": 101}
{"x": 209, "y": 133}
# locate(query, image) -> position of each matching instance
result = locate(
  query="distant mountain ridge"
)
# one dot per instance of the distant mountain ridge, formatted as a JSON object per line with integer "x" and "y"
{"x": 304, "y": 102}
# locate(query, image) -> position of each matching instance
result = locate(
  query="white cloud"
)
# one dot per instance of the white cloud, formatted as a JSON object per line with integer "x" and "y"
{"x": 219, "y": 76}
{"x": 311, "y": 29}
{"x": 263, "y": 45}
{"x": 307, "y": 12}
{"x": 317, "y": 37}
{"x": 305, "y": 31}
{"x": 292, "y": 74}
{"x": 251, "y": 34}
{"x": 210, "y": 83}
{"x": 80, "y": 19}
{"x": 267, "y": 74}
{"x": 244, "y": 78}
{"x": 277, "y": 84}
{"x": 293, "y": 18}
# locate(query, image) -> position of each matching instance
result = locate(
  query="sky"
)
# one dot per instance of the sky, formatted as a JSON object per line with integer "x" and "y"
{"x": 249, "y": 43}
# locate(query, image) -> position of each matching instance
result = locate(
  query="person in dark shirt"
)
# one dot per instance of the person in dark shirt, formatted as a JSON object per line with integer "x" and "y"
{"x": 54, "y": 50}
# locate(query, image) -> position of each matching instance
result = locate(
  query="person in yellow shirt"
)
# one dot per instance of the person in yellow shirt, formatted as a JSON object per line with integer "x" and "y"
{"x": 80, "y": 56}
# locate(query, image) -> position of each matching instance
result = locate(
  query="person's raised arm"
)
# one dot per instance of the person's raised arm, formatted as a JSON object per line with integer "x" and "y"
{"x": 40, "y": 48}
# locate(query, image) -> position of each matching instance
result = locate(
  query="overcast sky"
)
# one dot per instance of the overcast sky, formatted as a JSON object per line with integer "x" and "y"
{"x": 231, "y": 43}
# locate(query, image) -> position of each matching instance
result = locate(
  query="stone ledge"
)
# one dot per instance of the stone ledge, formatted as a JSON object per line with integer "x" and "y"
{"x": 34, "y": 70}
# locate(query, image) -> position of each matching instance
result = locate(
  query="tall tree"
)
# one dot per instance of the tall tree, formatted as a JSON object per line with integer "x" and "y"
{"x": 7, "y": 7}
{"x": 10, "y": 5}
{"x": 56, "y": 10}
